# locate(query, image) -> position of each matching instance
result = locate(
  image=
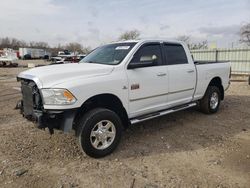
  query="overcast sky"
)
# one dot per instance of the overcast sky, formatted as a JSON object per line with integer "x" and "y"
{"x": 94, "y": 22}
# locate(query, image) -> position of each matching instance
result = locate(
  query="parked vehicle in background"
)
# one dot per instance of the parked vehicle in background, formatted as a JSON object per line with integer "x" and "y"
{"x": 32, "y": 53}
{"x": 79, "y": 57}
{"x": 8, "y": 57}
{"x": 27, "y": 57}
{"x": 117, "y": 85}
{"x": 65, "y": 52}
{"x": 63, "y": 59}
{"x": 46, "y": 57}
{"x": 56, "y": 60}
{"x": 74, "y": 58}
{"x": 70, "y": 59}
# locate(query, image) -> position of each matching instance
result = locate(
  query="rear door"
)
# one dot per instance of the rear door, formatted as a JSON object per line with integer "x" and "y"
{"x": 182, "y": 74}
{"x": 148, "y": 86}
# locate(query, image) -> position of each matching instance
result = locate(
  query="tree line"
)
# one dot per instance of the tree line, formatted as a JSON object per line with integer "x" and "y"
{"x": 14, "y": 43}
{"x": 244, "y": 34}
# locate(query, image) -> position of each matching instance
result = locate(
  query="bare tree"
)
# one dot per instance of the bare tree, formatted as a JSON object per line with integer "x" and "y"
{"x": 11, "y": 43}
{"x": 16, "y": 44}
{"x": 199, "y": 45}
{"x": 184, "y": 38}
{"x": 43, "y": 45}
{"x": 245, "y": 34}
{"x": 34, "y": 44}
{"x": 5, "y": 42}
{"x": 193, "y": 45}
{"x": 86, "y": 50}
{"x": 130, "y": 35}
{"x": 56, "y": 49}
{"x": 74, "y": 47}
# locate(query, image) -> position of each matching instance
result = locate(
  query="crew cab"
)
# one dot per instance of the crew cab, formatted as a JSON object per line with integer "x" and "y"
{"x": 117, "y": 85}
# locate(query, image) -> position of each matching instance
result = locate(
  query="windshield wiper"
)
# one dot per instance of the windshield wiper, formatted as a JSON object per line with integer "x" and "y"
{"x": 92, "y": 62}
{"x": 102, "y": 63}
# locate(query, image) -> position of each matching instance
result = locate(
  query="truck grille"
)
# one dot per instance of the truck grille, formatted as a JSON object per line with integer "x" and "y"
{"x": 31, "y": 98}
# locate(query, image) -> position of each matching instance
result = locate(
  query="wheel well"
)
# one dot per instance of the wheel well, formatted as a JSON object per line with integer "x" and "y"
{"x": 217, "y": 82}
{"x": 108, "y": 101}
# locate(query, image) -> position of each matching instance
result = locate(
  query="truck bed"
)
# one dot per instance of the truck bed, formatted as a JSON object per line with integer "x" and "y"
{"x": 208, "y": 71}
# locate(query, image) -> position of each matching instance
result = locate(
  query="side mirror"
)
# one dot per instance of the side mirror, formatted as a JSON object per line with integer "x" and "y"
{"x": 135, "y": 65}
{"x": 145, "y": 61}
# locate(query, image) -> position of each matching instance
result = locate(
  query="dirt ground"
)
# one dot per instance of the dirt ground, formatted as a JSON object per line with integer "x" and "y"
{"x": 185, "y": 149}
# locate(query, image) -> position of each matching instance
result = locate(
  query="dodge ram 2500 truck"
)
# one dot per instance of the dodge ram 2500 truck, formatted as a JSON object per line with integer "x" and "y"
{"x": 119, "y": 84}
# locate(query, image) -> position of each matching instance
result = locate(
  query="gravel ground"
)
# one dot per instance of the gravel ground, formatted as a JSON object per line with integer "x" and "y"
{"x": 185, "y": 149}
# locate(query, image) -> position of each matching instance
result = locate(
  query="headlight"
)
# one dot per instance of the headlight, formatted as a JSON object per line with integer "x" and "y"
{"x": 57, "y": 96}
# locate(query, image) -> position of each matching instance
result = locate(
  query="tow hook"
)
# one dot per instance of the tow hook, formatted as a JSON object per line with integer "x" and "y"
{"x": 51, "y": 130}
{"x": 42, "y": 123}
{"x": 19, "y": 105}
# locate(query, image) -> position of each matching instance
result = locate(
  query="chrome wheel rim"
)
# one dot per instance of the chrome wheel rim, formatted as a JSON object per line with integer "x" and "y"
{"x": 103, "y": 134}
{"x": 214, "y": 100}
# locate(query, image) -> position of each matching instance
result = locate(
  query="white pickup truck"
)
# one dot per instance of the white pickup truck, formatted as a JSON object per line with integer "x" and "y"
{"x": 117, "y": 85}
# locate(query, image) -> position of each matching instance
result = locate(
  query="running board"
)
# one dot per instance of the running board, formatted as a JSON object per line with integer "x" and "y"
{"x": 161, "y": 113}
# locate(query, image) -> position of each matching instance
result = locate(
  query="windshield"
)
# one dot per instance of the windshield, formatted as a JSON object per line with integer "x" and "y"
{"x": 111, "y": 54}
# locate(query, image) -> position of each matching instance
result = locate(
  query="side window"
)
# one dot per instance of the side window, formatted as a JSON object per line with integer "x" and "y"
{"x": 149, "y": 53}
{"x": 175, "y": 54}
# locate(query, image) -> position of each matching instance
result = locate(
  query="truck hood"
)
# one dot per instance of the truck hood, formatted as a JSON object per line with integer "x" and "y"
{"x": 49, "y": 76}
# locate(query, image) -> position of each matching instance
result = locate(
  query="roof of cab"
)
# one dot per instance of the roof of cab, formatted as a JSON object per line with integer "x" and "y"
{"x": 149, "y": 40}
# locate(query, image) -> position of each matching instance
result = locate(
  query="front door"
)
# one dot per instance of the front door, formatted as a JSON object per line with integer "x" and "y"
{"x": 148, "y": 86}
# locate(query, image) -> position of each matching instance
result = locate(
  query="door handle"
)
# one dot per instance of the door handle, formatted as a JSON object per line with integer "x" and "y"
{"x": 190, "y": 71}
{"x": 161, "y": 74}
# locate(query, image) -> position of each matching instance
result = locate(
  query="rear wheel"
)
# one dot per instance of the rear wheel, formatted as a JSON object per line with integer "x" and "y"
{"x": 211, "y": 101}
{"x": 99, "y": 132}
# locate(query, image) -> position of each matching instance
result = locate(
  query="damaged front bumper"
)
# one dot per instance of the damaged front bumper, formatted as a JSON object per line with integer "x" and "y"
{"x": 51, "y": 119}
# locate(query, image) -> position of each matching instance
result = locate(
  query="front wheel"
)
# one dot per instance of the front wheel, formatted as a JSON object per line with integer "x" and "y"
{"x": 210, "y": 103}
{"x": 99, "y": 132}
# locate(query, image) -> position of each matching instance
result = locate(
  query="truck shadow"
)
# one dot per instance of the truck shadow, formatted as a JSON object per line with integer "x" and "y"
{"x": 186, "y": 130}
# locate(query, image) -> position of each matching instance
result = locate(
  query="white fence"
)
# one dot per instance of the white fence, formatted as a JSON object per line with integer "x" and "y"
{"x": 239, "y": 58}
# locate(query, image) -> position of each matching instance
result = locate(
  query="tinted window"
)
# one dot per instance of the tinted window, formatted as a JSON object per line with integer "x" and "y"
{"x": 148, "y": 53}
{"x": 175, "y": 54}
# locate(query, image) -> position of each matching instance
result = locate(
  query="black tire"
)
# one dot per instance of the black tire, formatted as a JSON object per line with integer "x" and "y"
{"x": 205, "y": 105}
{"x": 86, "y": 126}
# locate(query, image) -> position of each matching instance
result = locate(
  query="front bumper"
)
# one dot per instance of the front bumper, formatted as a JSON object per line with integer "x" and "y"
{"x": 62, "y": 120}
{"x": 51, "y": 119}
